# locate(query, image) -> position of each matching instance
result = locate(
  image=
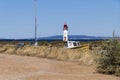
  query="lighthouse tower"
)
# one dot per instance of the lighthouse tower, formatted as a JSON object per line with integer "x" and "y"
{"x": 65, "y": 32}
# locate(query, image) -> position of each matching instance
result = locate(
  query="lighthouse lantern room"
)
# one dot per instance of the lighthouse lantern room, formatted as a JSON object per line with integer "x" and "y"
{"x": 65, "y": 32}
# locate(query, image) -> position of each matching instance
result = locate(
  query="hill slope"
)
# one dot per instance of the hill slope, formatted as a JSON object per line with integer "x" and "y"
{"x": 73, "y": 37}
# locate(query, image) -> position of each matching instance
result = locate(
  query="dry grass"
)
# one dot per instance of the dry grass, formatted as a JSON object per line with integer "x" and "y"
{"x": 83, "y": 54}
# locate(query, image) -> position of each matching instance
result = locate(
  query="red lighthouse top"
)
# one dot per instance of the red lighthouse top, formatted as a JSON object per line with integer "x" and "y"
{"x": 65, "y": 27}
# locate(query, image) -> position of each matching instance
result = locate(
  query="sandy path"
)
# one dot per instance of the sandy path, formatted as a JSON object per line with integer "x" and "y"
{"x": 14, "y": 67}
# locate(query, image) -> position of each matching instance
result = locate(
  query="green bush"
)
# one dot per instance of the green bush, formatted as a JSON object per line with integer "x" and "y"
{"x": 109, "y": 60}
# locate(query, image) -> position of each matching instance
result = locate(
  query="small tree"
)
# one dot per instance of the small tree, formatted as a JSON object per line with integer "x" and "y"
{"x": 109, "y": 61}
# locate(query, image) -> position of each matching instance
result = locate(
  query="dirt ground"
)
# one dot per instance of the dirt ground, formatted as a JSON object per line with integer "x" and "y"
{"x": 13, "y": 67}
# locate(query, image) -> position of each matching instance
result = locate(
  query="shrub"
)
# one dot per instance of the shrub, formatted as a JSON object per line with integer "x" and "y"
{"x": 109, "y": 60}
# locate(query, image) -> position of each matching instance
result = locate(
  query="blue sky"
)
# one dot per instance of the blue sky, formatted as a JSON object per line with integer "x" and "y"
{"x": 84, "y": 17}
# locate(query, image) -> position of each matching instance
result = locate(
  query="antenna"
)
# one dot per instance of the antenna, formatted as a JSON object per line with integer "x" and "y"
{"x": 35, "y": 9}
{"x": 113, "y": 34}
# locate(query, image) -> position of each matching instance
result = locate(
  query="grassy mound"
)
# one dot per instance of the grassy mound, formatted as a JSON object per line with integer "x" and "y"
{"x": 82, "y": 55}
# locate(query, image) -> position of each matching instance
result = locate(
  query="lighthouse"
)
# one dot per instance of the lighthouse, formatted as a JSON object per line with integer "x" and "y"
{"x": 65, "y": 32}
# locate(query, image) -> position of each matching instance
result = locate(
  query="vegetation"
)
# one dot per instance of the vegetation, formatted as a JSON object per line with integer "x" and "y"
{"x": 108, "y": 57}
{"x": 40, "y": 43}
{"x": 109, "y": 60}
{"x": 52, "y": 43}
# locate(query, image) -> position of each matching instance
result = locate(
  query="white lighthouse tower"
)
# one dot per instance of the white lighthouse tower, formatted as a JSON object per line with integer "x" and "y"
{"x": 65, "y": 32}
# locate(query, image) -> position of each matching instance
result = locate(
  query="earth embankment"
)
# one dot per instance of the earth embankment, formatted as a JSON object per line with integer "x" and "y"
{"x": 82, "y": 54}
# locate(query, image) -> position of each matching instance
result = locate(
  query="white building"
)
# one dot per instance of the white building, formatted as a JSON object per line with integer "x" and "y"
{"x": 72, "y": 44}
